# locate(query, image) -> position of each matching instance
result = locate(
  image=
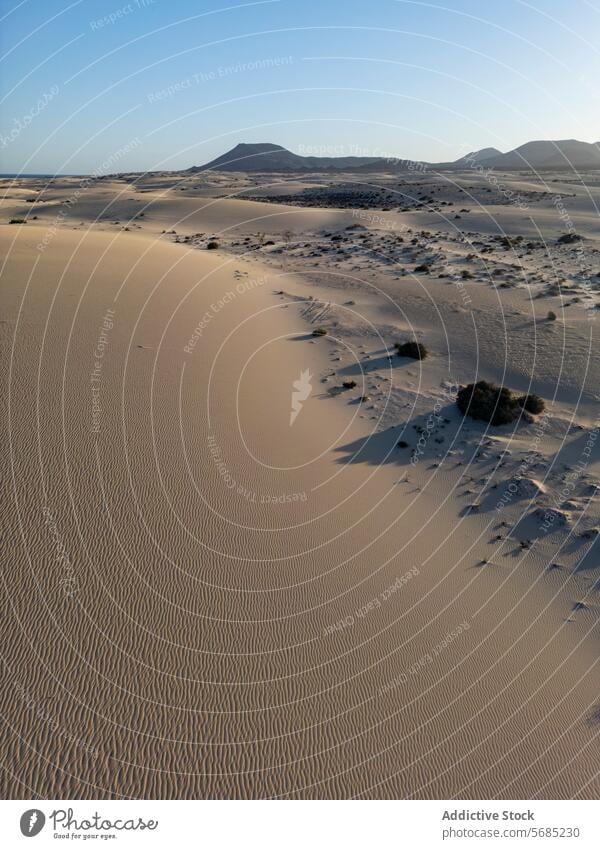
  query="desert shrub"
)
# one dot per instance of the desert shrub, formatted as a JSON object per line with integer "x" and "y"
{"x": 17, "y": 221}
{"x": 212, "y": 246}
{"x": 551, "y": 316}
{"x": 496, "y": 405}
{"x": 532, "y": 403}
{"x": 414, "y": 350}
{"x": 508, "y": 242}
{"x": 319, "y": 331}
{"x": 349, "y": 384}
{"x": 568, "y": 238}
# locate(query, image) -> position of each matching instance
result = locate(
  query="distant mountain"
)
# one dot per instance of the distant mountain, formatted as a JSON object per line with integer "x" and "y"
{"x": 254, "y": 157}
{"x": 535, "y": 155}
{"x": 477, "y": 157}
{"x": 567, "y": 153}
{"x": 273, "y": 157}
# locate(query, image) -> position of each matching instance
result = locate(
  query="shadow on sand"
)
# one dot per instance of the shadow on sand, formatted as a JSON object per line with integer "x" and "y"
{"x": 425, "y": 436}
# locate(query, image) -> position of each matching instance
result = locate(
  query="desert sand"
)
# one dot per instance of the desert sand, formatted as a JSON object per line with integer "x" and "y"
{"x": 383, "y": 599}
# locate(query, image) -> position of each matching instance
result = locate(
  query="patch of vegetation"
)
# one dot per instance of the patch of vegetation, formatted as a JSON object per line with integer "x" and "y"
{"x": 212, "y": 246}
{"x": 495, "y": 405}
{"x": 551, "y": 316}
{"x": 508, "y": 242}
{"x": 349, "y": 384}
{"x": 532, "y": 403}
{"x": 414, "y": 350}
{"x": 568, "y": 238}
{"x": 17, "y": 221}
{"x": 319, "y": 331}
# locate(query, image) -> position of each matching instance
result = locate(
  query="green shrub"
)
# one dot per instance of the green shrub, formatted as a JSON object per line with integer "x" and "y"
{"x": 319, "y": 331}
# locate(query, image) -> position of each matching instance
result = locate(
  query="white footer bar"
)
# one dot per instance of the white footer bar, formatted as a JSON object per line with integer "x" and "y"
{"x": 302, "y": 824}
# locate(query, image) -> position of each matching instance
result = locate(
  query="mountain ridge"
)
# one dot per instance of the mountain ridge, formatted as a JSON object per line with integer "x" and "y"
{"x": 538, "y": 154}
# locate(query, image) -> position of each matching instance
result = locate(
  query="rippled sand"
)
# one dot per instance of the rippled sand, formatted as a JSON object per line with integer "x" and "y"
{"x": 202, "y": 600}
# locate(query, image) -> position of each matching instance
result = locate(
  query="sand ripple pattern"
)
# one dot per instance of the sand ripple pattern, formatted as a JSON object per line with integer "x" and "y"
{"x": 200, "y": 600}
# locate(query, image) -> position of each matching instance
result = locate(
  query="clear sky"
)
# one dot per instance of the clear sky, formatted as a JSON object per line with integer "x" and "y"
{"x": 103, "y": 85}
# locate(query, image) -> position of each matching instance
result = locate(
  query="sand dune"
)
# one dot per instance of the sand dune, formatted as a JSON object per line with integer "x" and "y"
{"x": 202, "y": 600}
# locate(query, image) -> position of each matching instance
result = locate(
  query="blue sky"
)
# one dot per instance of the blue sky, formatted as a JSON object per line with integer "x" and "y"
{"x": 86, "y": 84}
